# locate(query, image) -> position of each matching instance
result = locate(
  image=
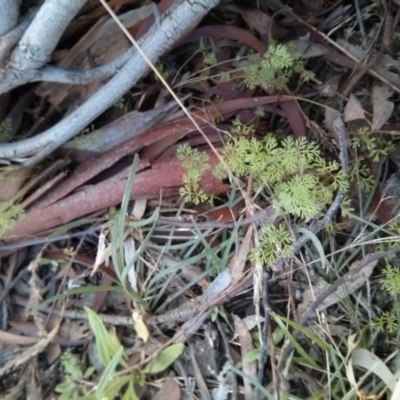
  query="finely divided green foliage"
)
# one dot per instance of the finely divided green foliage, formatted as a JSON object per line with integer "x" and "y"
{"x": 9, "y": 214}
{"x": 297, "y": 178}
{"x": 5, "y": 129}
{"x": 391, "y": 272}
{"x": 275, "y": 242}
{"x": 195, "y": 163}
{"x": 375, "y": 146}
{"x": 274, "y": 69}
{"x": 73, "y": 386}
{"x": 302, "y": 181}
{"x": 386, "y": 323}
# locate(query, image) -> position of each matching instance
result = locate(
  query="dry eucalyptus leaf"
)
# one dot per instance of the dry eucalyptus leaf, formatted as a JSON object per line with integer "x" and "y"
{"x": 33, "y": 388}
{"x": 252, "y": 321}
{"x": 12, "y": 179}
{"x": 329, "y": 117}
{"x": 139, "y": 208}
{"x": 353, "y": 109}
{"x": 140, "y": 326}
{"x": 263, "y": 23}
{"x": 321, "y": 286}
{"x": 383, "y": 108}
{"x": 170, "y": 389}
{"x": 381, "y": 66}
{"x": 129, "y": 254}
{"x": 305, "y": 48}
{"x": 329, "y": 87}
{"x": 100, "y": 254}
{"x": 31, "y": 352}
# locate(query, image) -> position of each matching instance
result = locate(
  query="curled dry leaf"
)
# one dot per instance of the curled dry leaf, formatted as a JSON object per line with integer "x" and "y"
{"x": 129, "y": 254}
{"x": 321, "y": 286}
{"x": 164, "y": 177}
{"x": 12, "y": 180}
{"x": 107, "y": 137}
{"x": 329, "y": 87}
{"x": 169, "y": 390}
{"x": 263, "y": 23}
{"x": 139, "y": 209}
{"x": 383, "y": 108}
{"x": 380, "y": 67}
{"x": 370, "y": 362}
{"x": 26, "y": 355}
{"x": 353, "y": 109}
{"x": 305, "y": 48}
{"x": 140, "y": 326}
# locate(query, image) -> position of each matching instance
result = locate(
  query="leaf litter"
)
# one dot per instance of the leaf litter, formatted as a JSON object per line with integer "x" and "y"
{"x": 188, "y": 268}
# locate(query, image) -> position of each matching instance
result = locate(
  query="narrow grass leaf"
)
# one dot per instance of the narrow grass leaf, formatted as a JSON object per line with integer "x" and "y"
{"x": 233, "y": 236}
{"x": 325, "y": 346}
{"x": 117, "y": 239}
{"x": 114, "y": 386}
{"x": 75, "y": 224}
{"x": 295, "y": 344}
{"x": 254, "y": 382}
{"x": 108, "y": 371}
{"x": 107, "y": 344}
{"x": 316, "y": 241}
{"x": 130, "y": 393}
{"x": 81, "y": 290}
{"x": 127, "y": 195}
{"x": 142, "y": 246}
{"x": 116, "y": 253}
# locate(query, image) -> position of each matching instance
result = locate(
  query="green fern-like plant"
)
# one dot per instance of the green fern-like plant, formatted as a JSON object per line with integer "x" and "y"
{"x": 361, "y": 175}
{"x": 299, "y": 178}
{"x": 10, "y": 212}
{"x": 386, "y": 323}
{"x": 391, "y": 280}
{"x": 375, "y": 146}
{"x": 275, "y": 242}
{"x": 73, "y": 386}
{"x": 391, "y": 273}
{"x": 120, "y": 103}
{"x": 196, "y": 163}
{"x": 5, "y": 129}
{"x": 274, "y": 69}
{"x": 302, "y": 181}
{"x": 241, "y": 129}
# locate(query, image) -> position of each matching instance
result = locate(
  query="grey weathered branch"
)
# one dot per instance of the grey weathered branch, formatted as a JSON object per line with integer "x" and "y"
{"x": 38, "y": 42}
{"x": 183, "y": 16}
{"x": 61, "y": 75}
{"x": 10, "y": 39}
{"x": 9, "y": 15}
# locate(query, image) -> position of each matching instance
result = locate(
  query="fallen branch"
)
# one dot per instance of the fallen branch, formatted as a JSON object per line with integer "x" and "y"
{"x": 174, "y": 24}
